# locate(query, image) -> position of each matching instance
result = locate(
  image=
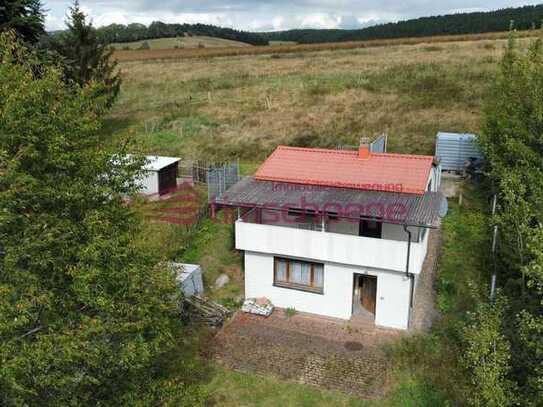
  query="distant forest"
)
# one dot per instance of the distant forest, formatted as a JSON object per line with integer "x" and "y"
{"x": 524, "y": 18}
{"x": 137, "y": 32}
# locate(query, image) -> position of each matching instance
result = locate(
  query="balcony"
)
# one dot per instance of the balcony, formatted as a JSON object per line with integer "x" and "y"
{"x": 328, "y": 241}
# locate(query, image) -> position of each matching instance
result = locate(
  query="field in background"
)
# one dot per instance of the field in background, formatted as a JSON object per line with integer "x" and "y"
{"x": 181, "y": 43}
{"x": 224, "y": 108}
{"x": 285, "y": 47}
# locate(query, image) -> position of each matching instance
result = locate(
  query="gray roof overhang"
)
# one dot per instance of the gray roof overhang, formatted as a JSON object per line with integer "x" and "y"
{"x": 424, "y": 210}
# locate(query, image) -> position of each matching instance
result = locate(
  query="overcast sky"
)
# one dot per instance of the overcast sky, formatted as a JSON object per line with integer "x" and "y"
{"x": 264, "y": 15}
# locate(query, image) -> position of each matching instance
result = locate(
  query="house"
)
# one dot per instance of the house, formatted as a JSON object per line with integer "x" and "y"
{"x": 337, "y": 233}
{"x": 160, "y": 176}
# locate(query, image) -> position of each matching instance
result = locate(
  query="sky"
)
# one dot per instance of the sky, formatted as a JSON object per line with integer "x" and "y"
{"x": 267, "y": 15}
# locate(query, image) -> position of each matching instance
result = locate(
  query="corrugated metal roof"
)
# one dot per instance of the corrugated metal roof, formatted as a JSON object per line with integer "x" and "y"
{"x": 156, "y": 163}
{"x": 413, "y": 210}
{"x": 340, "y": 168}
{"x": 454, "y": 149}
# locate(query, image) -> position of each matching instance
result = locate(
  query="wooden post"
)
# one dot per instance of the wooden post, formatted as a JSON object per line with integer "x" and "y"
{"x": 213, "y": 211}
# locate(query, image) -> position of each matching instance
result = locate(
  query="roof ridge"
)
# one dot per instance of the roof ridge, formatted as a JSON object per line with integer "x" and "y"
{"x": 402, "y": 155}
{"x": 316, "y": 149}
{"x": 351, "y": 152}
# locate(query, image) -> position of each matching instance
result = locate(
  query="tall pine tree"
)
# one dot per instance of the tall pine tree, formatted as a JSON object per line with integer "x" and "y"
{"x": 86, "y": 58}
{"x": 25, "y": 17}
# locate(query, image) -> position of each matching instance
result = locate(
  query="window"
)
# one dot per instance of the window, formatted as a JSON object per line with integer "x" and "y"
{"x": 299, "y": 275}
{"x": 304, "y": 219}
{"x": 371, "y": 228}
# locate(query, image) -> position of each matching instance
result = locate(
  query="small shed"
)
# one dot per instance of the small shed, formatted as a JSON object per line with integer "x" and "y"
{"x": 160, "y": 175}
{"x": 454, "y": 149}
{"x": 189, "y": 278}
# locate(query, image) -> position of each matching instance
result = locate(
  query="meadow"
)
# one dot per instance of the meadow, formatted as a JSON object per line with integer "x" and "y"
{"x": 221, "y": 108}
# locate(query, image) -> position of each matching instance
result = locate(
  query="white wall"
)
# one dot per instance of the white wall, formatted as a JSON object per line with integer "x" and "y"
{"x": 149, "y": 183}
{"x": 392, "y": 302}
{"x": 329, "y": 247}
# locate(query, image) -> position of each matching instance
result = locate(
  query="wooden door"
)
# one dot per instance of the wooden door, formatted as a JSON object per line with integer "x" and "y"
{"x": 368, "y": 293}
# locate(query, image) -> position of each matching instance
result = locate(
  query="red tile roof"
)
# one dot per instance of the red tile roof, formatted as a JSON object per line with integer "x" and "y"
{"x": 337, "y": 168}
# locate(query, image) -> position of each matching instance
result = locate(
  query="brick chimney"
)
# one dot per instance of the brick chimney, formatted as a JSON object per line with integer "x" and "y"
{"x": 364, "y": 149}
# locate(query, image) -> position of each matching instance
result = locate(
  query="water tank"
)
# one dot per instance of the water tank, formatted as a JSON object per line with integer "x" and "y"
{"x": 454, "y": 149}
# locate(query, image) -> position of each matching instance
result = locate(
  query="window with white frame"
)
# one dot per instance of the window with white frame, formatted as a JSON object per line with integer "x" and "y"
{"x": 299, "y": 275}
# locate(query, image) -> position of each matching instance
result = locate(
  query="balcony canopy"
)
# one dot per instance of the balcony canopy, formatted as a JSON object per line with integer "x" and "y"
{"x": 424, "y": 210}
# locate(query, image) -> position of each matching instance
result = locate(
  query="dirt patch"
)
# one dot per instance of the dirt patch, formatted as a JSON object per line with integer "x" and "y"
{"x": 306, "y": 349}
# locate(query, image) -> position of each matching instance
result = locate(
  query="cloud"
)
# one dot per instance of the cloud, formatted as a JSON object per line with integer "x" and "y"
{"x": 265, "y": 15}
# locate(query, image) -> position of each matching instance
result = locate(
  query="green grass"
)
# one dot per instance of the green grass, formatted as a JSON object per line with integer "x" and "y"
{"x": 213, "y": 248}
{"x": 432, "y": 85}
{"x": 232, "y": 389}
{"x": 466, "y": 253}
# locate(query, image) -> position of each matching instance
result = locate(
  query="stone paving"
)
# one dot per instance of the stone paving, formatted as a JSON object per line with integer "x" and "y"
{"x": 424, "y": 305}
{"x": 313, "y": 350}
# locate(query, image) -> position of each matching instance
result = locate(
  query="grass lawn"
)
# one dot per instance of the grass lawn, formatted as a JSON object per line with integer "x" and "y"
{"x": 231, "y": 389}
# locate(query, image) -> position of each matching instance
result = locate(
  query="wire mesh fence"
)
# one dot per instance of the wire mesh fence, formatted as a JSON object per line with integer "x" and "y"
{"x": 218, "y": 176}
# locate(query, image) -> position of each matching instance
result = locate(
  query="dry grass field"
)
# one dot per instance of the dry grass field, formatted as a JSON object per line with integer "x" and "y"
{"x": 285, "y": 47}
{"x": 243, "y": 106}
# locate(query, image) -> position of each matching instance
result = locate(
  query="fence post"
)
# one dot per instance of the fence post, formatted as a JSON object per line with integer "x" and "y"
{"x": 494, "y": 250}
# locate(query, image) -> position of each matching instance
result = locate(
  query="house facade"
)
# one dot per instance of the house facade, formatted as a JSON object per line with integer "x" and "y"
{"x": 342, "y": 234}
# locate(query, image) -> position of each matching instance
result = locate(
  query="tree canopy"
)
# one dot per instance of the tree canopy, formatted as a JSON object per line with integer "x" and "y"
{"x": 84, "y": 310}
{"x": 85, "y": 58}
{"x": 512, "y": 139}
{"x": 26, "y": 17}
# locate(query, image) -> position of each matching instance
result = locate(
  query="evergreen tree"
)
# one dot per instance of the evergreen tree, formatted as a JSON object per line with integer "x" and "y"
{"x": 84, "y": 310}
{"x": 26, "y": 17}
{"x": 86, "y": 58}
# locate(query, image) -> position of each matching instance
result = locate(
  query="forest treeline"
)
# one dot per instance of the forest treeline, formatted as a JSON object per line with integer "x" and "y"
{"x": 115, "y": 33}
{"x": 524, "y": 18}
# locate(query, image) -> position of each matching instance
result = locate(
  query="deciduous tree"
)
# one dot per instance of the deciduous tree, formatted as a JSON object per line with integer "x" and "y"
{"x": 84, "y": 311}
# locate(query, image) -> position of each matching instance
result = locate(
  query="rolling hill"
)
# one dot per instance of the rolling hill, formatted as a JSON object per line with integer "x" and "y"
{"x": 180, "y": 42}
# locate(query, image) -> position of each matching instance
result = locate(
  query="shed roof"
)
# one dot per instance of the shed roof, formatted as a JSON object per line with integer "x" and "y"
{"x": 414, "y": 210}
{"x": 156, "y": 163}
{"x": 339, "y": 168}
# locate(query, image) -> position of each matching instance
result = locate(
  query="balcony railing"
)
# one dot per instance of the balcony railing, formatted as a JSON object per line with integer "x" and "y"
{"x": 328, "y": 241}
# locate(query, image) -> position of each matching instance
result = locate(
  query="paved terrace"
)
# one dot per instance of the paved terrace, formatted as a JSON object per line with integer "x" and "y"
{"x": 334, "y": 354}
